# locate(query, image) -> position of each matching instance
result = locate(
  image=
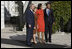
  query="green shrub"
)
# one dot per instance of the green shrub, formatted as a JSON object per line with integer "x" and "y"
{"x": 61, "y": 9}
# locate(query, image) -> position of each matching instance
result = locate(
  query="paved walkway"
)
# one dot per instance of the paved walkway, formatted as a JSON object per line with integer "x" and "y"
{"x": 9, "y": 39}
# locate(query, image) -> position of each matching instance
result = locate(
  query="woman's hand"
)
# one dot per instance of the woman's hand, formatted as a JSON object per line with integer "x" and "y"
{"x": 29, "y": 26}
{"x": 34, "y": 27}
{"x": 54, "y": 23}
{"x": 37, "y": 26}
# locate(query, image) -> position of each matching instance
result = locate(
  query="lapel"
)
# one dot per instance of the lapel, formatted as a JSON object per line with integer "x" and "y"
{"x": 31, "y": 12}
{"x": 45, "y": 11}
{"x": 50, "y": 11}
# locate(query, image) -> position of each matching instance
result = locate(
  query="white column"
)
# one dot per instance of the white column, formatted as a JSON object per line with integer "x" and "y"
{"x": 2, "y": 15}
{"x": 6, "y": 5}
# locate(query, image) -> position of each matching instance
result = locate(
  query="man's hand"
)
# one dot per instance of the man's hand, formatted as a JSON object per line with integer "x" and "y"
{"x": 54, "y": 23}
{"x": 29, "y": 25}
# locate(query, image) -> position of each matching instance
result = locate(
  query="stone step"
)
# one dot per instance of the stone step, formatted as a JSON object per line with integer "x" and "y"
{"x": 9, "y": 29}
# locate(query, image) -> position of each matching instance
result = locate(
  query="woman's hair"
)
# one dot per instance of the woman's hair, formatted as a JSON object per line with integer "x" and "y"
{"x": 39, "y": 5}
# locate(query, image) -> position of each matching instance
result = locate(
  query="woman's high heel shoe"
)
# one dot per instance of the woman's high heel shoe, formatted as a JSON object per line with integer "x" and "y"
{"x": 43, "y": 42}
{"x": 35, "y": 42}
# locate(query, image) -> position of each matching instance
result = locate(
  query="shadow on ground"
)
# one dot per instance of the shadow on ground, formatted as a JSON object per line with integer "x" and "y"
{"x": 23, "y": 43}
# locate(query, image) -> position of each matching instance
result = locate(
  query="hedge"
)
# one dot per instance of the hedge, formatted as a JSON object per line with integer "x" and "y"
{"x": 61, "y": 9}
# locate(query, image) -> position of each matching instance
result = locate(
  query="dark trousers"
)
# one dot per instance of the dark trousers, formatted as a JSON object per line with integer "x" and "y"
{"x": 48, "y": 31}
{"x": 29, "y": 34}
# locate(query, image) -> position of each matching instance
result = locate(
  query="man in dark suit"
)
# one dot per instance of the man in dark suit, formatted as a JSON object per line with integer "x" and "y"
{"x": 29, "y": 24}
{"x": 49, "y": 19}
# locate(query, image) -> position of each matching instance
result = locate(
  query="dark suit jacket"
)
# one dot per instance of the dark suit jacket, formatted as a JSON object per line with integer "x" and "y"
{"x": 49, "y": 19}
{"x": 30, "y": 18}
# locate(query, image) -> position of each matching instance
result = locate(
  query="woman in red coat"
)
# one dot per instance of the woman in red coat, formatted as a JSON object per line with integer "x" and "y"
{"x": 40, "y": 22}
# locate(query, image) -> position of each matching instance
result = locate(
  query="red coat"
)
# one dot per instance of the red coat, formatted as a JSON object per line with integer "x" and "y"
{"x": 40, "y": 20}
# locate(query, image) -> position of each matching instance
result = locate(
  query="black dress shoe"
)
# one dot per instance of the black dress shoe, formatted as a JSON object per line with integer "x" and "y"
{"x": 28, "y": 44}
{"x": 34, "y": 43}
{"x": 47, "y": 40}
{"x": 50, "y": 41}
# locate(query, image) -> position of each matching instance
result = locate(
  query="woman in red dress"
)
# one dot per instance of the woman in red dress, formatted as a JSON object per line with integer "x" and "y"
{"x": 40, "y": 22}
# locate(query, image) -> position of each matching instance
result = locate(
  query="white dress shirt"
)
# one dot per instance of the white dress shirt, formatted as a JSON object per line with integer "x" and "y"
{"x": 47, "y": 11}
{"x": 31, "y": 10}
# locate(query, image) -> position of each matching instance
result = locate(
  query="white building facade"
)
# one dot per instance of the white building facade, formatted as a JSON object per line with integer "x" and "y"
{"x": 9, "y": 5}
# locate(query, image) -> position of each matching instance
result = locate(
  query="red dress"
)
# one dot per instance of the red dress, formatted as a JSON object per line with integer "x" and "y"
{"x": 40, "y": 20}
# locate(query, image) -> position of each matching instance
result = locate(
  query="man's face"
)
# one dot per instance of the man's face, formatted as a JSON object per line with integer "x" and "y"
{"x": 48, "y": 6}
{"x": 33, "y": 7}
